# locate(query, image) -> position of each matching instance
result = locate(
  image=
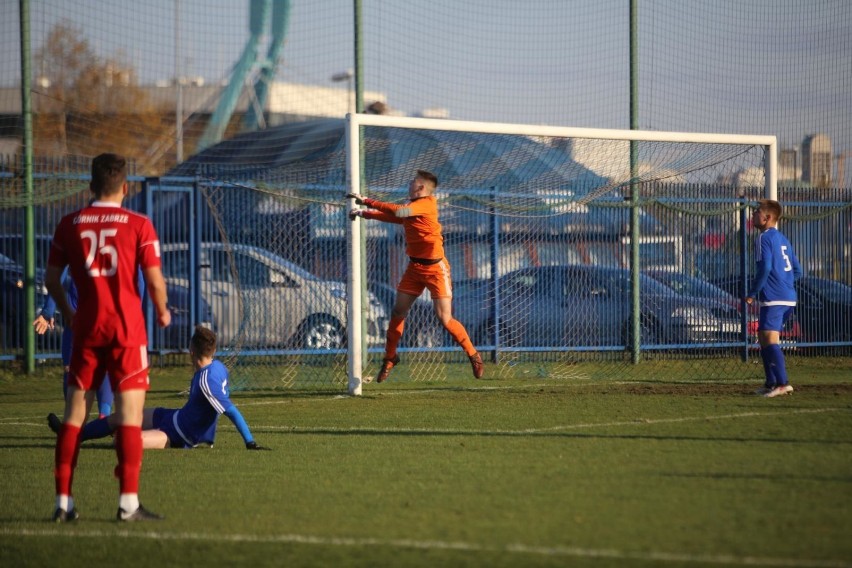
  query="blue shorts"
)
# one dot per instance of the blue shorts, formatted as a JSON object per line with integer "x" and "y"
{"x": 66, "y": 345}
{"x": 772, "y": 318}
{"x": 163, "y": 420}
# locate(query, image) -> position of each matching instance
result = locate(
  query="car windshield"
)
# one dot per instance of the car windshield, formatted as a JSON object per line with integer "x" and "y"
{"x": 13, "y": 248}
{"x": 276, "y": 260}
{"x": 579, "y": 279}
{"x": 214, "y": 256}
{"x": 650, "y": 285}
{"x": 689, "y": 286}
{"x": 831, "y": 290}
{"x": 647, "y": 284}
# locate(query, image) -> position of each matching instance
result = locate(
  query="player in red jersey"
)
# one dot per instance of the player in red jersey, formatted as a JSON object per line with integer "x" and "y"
{"x": 424, "y": 245}
{"x": 104, "y": 245}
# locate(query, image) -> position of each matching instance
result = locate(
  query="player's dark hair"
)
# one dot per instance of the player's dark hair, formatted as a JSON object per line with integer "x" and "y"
{"x": 428, "y": 176}
{"x": 109, "y": 172}
{"x": 203, "y": 342}
{"x": 772, "y": 207}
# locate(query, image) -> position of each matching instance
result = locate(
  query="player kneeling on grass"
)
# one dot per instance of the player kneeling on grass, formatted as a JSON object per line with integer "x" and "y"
{"x": 195, "y": 423}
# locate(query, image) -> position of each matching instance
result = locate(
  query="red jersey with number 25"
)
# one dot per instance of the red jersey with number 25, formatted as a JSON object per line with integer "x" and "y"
{"x": 103, "y": 246}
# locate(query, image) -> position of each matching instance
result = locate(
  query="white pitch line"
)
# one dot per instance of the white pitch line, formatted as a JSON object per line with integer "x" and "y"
{"x": 526, "y": 431}
{"x": 642, "y": 421}
{"x": 635, "y": 422}
{"x": 406, "y": 392}
{"x": 520, "y": 549}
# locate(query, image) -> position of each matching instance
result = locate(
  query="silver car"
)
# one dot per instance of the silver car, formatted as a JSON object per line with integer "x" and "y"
{"x": 259, "y": 299}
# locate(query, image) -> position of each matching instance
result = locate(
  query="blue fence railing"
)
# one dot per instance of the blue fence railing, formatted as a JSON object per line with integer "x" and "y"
{"x": 709, "y": 266}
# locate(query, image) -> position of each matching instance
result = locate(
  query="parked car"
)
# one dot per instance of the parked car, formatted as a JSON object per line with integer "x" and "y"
{"x": 12, "y": 246}
{"x": 260, "y": 299}
{"x": 824, "y": 309}
{"x": 579, "y": 305}
{"x": 793, "y": 327}
{"x": 699, "y": 288}
{"x": 176, "y": 336}
{"x": 13, "y": 323}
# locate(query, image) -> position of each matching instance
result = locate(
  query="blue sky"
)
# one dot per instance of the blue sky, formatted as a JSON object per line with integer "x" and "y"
{"x": 781, "y": 67}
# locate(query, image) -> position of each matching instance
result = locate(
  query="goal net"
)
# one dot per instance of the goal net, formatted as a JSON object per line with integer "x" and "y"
{"x": 538, "y": 226}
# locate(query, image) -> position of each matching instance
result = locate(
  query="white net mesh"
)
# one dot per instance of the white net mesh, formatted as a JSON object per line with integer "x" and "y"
{"x": 536, "y": 230}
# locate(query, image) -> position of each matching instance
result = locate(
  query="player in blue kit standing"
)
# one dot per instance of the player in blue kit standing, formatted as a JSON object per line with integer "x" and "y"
{"x": 195, "y": 422}
{"x": 46, "y": 321}
{"x": 772, "y": 288}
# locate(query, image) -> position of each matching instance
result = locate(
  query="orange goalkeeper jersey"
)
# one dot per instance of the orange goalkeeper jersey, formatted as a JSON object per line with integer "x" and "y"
{"x": 419, "y": 218}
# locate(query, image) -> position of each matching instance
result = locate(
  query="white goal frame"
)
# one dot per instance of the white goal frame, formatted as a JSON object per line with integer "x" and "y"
{"x": 353, "y": 174}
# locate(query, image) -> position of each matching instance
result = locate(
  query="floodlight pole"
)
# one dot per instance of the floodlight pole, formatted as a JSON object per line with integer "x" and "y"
{"x": 29, "y": 215}
{"x": 347, "y": 76}
{"x": 179, "y": 89}
{"x": 635, "y": 269}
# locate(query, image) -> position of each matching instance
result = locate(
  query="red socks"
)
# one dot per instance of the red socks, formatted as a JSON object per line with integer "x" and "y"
{"x": 65, "y": 457}
{"x": 128, "y": 447}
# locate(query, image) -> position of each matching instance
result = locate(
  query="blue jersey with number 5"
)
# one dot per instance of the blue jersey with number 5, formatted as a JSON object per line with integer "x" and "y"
{"x": 777, "y": 268}
{"x": 208, "y": 398}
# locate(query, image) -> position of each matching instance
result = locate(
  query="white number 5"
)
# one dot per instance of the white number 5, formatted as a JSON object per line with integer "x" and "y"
{"x": 98, "y": 245}
{"x": 787, "y": 266}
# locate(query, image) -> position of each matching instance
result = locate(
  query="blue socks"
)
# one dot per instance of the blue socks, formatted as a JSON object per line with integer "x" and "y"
{"x": 773, "y": 365}
{"x": 95, "y": 429}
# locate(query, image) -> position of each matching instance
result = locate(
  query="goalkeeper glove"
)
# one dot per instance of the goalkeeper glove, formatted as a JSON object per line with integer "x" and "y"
{"x": 355, "y": 213}
{"x": 359, "y": 199}
{"x": 253, "y": 446}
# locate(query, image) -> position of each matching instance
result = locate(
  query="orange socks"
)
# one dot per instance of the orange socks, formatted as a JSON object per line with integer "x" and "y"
{"x": 459, "y": 333}
{"x": 395, "y": 327}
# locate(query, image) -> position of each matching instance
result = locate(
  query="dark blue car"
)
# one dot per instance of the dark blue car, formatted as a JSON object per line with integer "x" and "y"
{"x": 580, "y": 305}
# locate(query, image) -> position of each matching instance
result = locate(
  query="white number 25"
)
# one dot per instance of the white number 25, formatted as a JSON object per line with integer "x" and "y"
{"x": 98, "y": 246}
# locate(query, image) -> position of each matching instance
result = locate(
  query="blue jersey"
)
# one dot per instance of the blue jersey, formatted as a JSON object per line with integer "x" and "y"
{"x": 49, "y": 309}
{"x": 208, "y": 398}
{"x": 777, "y": 268}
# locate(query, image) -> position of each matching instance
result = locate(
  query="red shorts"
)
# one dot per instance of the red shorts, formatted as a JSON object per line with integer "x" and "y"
{"x": 434, "y": 277}
{"x": 127, "y": 367}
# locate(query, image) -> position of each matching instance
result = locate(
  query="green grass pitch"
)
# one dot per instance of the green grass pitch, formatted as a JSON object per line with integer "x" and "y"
{"x": 500, "y": 472}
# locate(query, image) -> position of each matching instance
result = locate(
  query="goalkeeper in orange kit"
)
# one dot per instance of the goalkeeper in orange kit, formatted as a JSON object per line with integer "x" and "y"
{"x": 424, "y": 245}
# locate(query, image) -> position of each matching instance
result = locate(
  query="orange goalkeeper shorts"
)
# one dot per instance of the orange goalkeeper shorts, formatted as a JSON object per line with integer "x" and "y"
{"x": 434, "y": 277}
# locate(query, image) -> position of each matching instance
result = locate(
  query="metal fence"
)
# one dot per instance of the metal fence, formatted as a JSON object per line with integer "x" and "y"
{"x": 260, "y": 269}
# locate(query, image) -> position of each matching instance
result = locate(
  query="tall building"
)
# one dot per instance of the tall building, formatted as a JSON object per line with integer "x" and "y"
{"x": 816, "y": 160}
{"x": 787, "y": 164}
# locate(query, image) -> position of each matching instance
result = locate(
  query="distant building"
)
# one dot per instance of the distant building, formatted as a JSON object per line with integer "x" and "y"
{"x": 194, "y": 100}
{"x": 816, "y": 160}
{"x": 788, "y": 164}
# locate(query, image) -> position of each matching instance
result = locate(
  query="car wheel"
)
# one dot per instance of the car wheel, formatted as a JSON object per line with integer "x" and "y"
{"x": 508, "y": 337}
{"x": 650, "y": 331}
{"x": 322, "y": 332}
{"x": 428, "y": 336}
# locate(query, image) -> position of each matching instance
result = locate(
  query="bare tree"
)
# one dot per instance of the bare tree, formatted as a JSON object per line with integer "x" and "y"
{"x": 86, "y": 105}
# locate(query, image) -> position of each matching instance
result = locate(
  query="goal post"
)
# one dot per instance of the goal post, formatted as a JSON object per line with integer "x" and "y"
{"x": 688, "y": 153}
